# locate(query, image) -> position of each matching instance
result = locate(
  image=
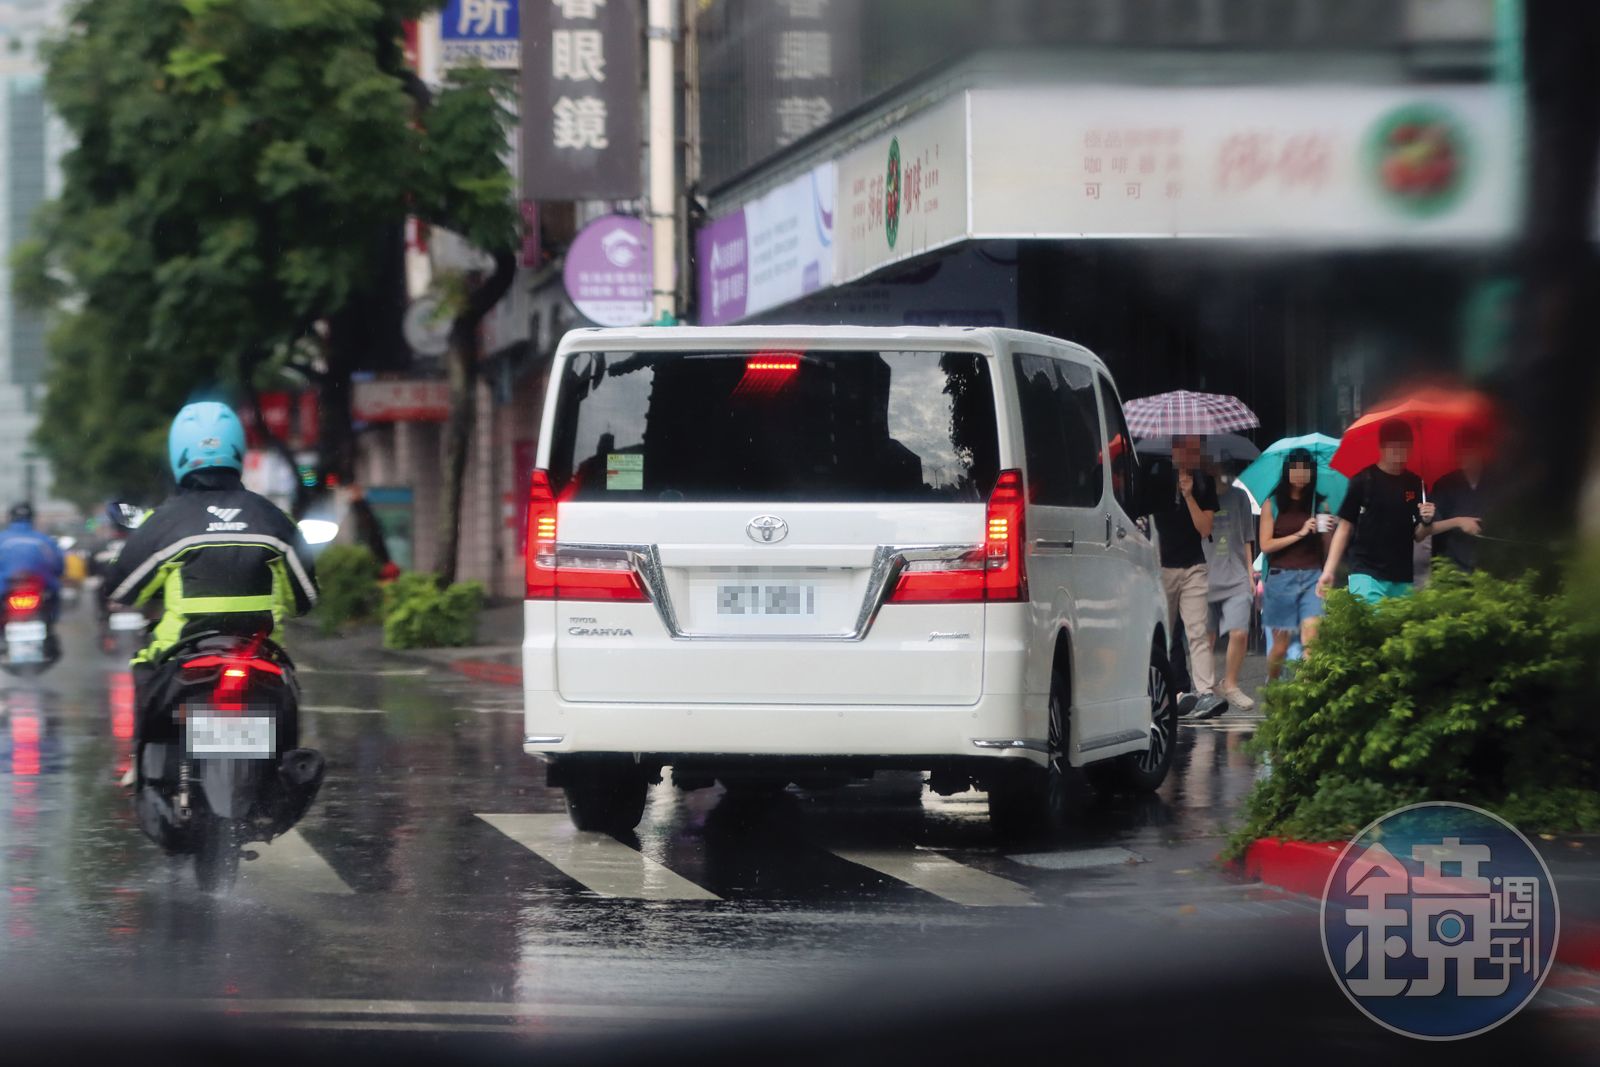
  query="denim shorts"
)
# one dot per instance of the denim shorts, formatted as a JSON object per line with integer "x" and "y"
{"x": 1290, "y": 599}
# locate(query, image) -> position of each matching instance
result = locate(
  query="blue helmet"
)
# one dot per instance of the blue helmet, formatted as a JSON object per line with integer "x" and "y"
{"x": 203, "y": 436}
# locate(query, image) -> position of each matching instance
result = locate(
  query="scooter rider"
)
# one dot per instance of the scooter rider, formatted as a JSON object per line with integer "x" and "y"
{"x": 27, "y": 553}
{"x": 223, "y": 559}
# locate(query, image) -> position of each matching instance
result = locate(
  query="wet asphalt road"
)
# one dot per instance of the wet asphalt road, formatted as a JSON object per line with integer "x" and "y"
{"x": 437, "y": 883}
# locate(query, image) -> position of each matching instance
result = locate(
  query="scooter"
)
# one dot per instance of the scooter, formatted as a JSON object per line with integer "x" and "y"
{"x": 28, "y": 642}
{"x": 218, "y": 763}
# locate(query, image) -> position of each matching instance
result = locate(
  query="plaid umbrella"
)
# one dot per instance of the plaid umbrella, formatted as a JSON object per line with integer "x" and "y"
{"x": 1185, "y": 413}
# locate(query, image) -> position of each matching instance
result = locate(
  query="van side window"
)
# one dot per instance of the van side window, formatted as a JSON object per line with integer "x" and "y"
{"x": 1124, "y": 463}
{"x": 1061, "y": 431}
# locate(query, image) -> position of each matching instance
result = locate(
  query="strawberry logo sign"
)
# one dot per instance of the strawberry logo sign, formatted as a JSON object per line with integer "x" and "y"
{"x": 1419, "y": 156}
{"x": 891, "y": 194}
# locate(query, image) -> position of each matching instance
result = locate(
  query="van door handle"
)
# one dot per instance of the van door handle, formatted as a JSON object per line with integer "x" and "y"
{"x": 1065, "y": 546}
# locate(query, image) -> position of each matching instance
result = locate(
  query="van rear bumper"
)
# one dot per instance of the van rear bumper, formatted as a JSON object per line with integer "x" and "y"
{"x": 994, "y": 727}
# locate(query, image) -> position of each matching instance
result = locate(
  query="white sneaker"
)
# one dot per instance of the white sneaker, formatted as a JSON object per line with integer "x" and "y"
{"x": 1238, "y": 699}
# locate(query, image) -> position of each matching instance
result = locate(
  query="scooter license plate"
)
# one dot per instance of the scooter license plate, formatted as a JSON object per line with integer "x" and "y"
{"x": 32, "y": 630}
{"x": 213, "y": 736}
{"x": 122, "y": 621}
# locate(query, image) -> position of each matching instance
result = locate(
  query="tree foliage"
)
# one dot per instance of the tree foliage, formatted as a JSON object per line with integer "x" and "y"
{"x": 233, "y": 163}
{"x": 1475, "y": 689}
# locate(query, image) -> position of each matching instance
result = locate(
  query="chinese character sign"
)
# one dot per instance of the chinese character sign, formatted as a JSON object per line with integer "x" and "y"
{"x": 581, "y": 135}
{"x": 480, "y": 31}
{"x": 608, "y": 272}
{"x": 1440, "y": 921}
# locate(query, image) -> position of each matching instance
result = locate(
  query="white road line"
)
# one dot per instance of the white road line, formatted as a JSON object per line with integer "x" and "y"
{"x": 941, "y": 876}
{"x": 1078, "y": 859}
{"x": 388, "y": 672}
{"x": 338, "y": 709}
{"x": 290, "y": 861}
{"x": 599, "y": 862}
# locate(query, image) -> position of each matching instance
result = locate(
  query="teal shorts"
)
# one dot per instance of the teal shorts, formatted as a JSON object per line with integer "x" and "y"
{"x": 1366, "y": 587}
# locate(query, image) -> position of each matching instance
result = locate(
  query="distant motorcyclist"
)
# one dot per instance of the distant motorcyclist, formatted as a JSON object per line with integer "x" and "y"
{"x": 25, "y": 553}
{"x": 223, "y": 559}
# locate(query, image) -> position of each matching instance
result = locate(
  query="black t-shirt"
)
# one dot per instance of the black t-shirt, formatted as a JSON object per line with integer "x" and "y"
{"x": 1384, "y": 510}
{"x": 1456, "y": 497}
{"x": 1180, "y": 541}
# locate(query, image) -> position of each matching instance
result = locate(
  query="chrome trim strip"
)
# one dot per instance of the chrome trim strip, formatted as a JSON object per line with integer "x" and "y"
{"x": 1013, "y": 742}
{"x": 887, "y": 563}
{"x": 543, "y": 739}
{"x": 1108, "y": 740}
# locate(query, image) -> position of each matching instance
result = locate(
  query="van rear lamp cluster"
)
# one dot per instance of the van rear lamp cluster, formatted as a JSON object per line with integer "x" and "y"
{"x": 992, "y": 572}
{"x": 555, "y": 573}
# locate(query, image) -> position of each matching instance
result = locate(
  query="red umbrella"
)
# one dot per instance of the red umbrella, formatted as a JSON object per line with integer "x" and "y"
{"x": 1435, "y": 417}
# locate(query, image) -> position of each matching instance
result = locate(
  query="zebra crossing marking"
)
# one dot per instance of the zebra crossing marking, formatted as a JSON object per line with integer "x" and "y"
{"x": 940, "y": 875}
{"x": 290, "y": 860}
{"x": 599, "y": 862}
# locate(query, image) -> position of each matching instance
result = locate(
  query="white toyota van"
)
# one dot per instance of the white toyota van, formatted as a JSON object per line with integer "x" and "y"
{"x": 776, "y": 555}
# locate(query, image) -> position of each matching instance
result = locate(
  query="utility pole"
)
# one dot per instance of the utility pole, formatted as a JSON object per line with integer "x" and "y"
{"x": 663, "y": 37}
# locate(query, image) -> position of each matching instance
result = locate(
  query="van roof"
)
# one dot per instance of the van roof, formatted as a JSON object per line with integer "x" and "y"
{"x": 698, "y": 338}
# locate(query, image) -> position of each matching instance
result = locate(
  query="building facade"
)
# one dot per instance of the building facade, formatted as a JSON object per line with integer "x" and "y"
{"x": 1303, "y": 204}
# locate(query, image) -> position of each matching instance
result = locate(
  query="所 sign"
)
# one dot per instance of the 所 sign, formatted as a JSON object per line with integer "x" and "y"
{"x": 480, "y": 31}
{"x": 1357, "y": 164}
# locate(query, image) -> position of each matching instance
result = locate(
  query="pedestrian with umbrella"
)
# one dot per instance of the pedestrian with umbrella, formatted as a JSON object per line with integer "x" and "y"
{"x": 1182, "y": 498}
{"x": 1296, "y": 528}
{"x": 1392, "y": 454}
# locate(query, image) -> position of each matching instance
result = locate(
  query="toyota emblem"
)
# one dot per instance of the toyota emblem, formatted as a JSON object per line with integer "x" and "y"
{"x": 767, "y": 529}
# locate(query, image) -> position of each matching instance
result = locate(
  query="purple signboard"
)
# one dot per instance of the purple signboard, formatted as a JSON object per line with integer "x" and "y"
{"x": 607, "y": 273}
{"x": 723, "y": 256}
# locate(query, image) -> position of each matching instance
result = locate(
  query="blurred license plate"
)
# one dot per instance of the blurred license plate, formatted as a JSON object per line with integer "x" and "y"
{"x": 25, "y": 651}
{"x": 24, "y": 631}
{"x": 767, "y": 599}
{"x": 127, "y": 620}
{"x": 231, "y": 735}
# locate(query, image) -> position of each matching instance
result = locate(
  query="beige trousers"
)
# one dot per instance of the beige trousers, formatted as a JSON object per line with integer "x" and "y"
{"x": 1186, "y": 600}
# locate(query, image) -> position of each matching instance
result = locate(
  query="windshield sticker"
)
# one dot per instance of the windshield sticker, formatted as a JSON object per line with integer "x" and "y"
{"x": 624, "y": 472}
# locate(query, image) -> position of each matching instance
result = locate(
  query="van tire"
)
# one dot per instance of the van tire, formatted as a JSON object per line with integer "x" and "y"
{"x": 1028, "y": 801}
{"x": 605, "y": 798}
{"x": 1143, "y": 772}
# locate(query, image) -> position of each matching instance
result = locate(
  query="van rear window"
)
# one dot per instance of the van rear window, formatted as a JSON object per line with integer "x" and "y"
{"x": 780, "y": 426}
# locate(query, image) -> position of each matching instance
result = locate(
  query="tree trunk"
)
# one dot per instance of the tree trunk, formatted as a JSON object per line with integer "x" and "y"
{"x": 463, "y": 358}
{"x": 1550, "y": 383}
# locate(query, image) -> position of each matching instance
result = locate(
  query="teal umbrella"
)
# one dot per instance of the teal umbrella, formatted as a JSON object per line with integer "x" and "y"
{"x": 1262, "y": 476}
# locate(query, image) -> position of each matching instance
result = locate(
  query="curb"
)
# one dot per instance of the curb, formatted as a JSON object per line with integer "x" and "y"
{"x": 1303, "y": 867}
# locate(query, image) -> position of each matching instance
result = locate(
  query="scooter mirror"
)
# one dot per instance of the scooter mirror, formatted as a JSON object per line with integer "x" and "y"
{"x": 125, "y": 515}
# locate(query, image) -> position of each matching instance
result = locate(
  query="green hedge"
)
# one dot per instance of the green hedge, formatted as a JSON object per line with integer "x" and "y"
{"x": 1475, "y": 689}
{"x": 347, "y": 577}
{"x": 419, "y": 614}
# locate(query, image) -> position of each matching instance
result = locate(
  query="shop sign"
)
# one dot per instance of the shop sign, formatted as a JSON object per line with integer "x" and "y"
{"x": 400, "y": 400}
{"x": 771, "y": 251}
{"x": 608, "y": 270}
{"x": 480, "y": 31}
{"x": 580, "y": 100}
{"x": 905, "y": 192}
{"x": 1359, "y": 164}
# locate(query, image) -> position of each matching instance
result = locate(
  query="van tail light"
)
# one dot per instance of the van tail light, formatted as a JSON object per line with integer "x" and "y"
{"x": 992, "y": 571}
{"x": 1005, "y": 576}
{"x": 567, "y": 575}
